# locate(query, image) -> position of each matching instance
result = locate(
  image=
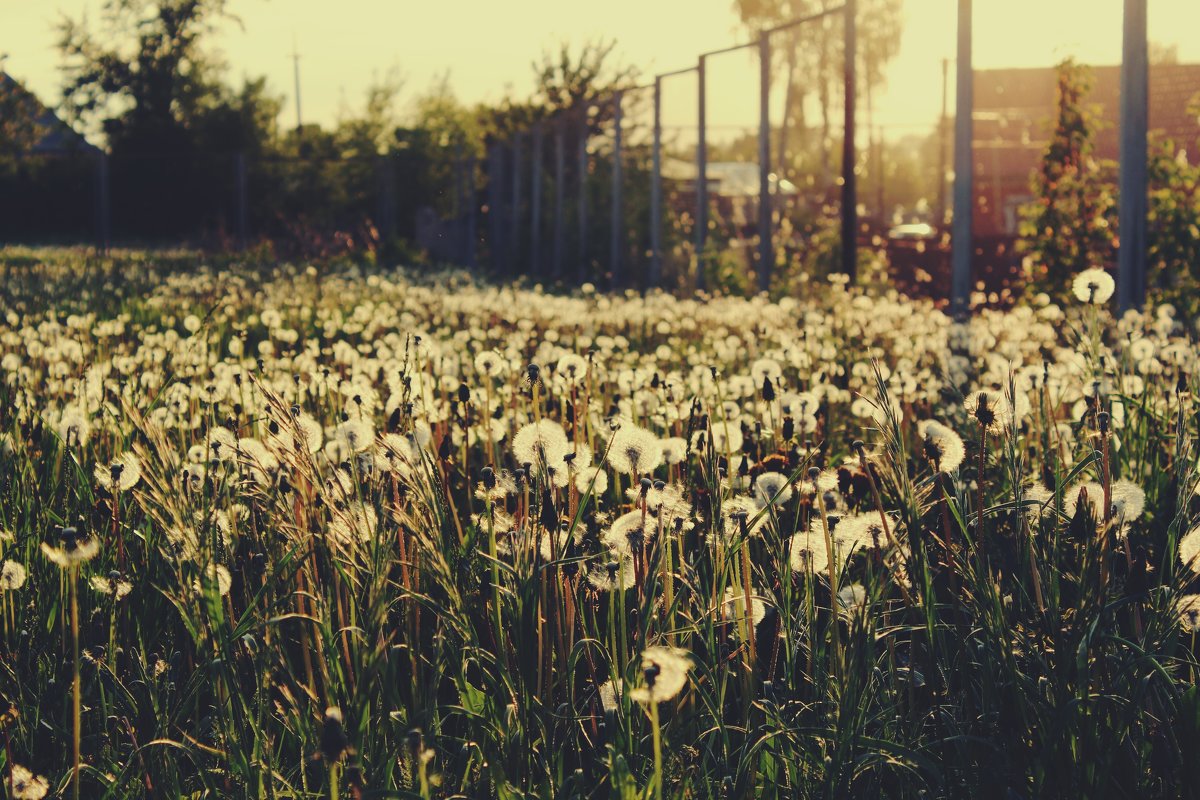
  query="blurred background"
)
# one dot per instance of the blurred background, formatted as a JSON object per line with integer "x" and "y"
{"x": 521, "y": 136}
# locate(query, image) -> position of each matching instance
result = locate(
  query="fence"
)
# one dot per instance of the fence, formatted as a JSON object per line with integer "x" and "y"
{"x": 617, "y": 190}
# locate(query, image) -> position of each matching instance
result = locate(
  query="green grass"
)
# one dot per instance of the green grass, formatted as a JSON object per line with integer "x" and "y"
{"x": 371, "y": 618}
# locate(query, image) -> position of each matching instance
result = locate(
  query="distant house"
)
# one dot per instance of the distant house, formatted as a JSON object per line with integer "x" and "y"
{"x": 29, "y": 118}
{"x": 1014, "y": 116}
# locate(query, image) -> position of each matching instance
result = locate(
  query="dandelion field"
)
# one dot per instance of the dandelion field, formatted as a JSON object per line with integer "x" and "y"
{"x": 353, "y": 532}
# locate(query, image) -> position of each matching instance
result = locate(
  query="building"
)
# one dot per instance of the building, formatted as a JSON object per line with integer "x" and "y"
{"x": 1014, "y": 116}
{"x": 36, "y": 129}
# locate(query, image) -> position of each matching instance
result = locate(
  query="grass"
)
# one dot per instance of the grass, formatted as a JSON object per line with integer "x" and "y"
{"x": 377, "y": 535}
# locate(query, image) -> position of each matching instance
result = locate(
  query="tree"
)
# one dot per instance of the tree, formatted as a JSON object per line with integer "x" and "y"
{"x": 811, "y": 58}
{"x": 1069, "y": 227}
{"x": 144, "y": 76}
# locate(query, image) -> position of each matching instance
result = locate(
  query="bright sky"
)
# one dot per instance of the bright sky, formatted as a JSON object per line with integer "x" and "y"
{"x": 488, "y": 46}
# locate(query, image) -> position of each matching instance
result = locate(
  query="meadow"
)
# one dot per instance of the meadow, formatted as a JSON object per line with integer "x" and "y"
{"x": 346, "y": 531}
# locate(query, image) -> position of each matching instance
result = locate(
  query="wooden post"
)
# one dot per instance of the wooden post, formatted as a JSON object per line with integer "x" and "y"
{"x": 964, "y": 179}
{"x": 1135, "y": 91}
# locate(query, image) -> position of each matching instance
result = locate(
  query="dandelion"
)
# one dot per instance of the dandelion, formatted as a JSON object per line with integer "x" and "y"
{"x": 12, "y": 576}
{"x": 772, "y": 489}
{"x": 24, "y": 785}
{"x": 634, "y": 450}
{"x": 674, "y": 449}
{"x": 573, "y": 369}
{"x": 491, "y": 364}
{"x": 664, "y": 672}
{"x": 943, "y": 448}
{"x": 356, "y": 434}
{"x": 121, "y": 475}
{"x": 1093, "y": 286}
{"x": 111, "y": 585}
{"x": 1189, "y": 550}
{"x": 214, "y": 575}
{"x": 541, "y": 444}
{"x": 989, "y": 410}
{"x": 1189, "y": 613}
{"x": 72, "y": 550}
{"x": 610, "y": 694}
{"x": 851, "y": 599}
{"x": 616, "y": 575}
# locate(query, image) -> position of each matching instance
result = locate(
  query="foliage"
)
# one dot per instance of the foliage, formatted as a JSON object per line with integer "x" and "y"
{"x": 1070, "y": 225}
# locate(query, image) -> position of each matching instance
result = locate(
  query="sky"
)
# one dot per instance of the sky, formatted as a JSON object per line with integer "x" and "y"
{"x": 488, "y": 46}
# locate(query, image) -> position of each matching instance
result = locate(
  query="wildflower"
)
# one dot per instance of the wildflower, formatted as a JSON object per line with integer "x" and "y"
{"x": 634, "y": 450}
{"x": 806, "y": 551}
{"x": 215, "y": 575}
{"x": 859, "y": 531}
{"x": 989, "y": 410}
{"x": 664, "y": 670}
{"x": 1189, "y": 612}
{"x": 1093, "y": 286}
{"x": 111, "y": 585}
{"x": 540, "y": 444}
{"x": 733, "y": 607}
{"x": 121, "y": 475}
{"x": 356, "y": 434}
{"x": 573, "y": 369}
{"x": 942, "y": 446}
{"x": 73, "y": 549}
{"x": 615, "y": 575}
{"x": 1189, "y": 550}
{"x": 610, "y": 694}
{"x": 334, "y": 742}
{"x": 851, "y": 599}
{"x": 674, "y": 449}
{"x": 12, "y": 576}
{"x": 491, "y": 364}
{"x": 74, "y": 427}
{"x": 593, "y": 480}
{"x": 25, "y": 785}
{"x": 772, "y": 488}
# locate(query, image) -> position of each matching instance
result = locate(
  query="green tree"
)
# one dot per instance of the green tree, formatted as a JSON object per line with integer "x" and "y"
{"x": 1069, "y": 227}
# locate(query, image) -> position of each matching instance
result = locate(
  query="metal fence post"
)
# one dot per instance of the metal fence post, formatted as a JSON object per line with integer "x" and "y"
{"x": 1131, "y": 255}
{"x": 849, "y": 158}
{"x": 581, "y": 267}
{"x": 535, "y": 259}
{"x": 964, "y": 200}
{"x": 656, "y": 191}
{"x": 559, "y": 171}
{"x": 103, "y": 203}
{"x": 617, "y": 201}
{"x": 701, "y": 176}
{"x": 766, "y": 252}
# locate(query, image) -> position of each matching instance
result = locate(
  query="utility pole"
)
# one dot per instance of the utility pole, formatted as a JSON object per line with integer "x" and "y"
{"x": 941, "y": 194}
{"x": 1131, "y": 256}
{"x": 849, "y": 158}
{"x": 964, "y": 190}
{"x": 296, "y": 78}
